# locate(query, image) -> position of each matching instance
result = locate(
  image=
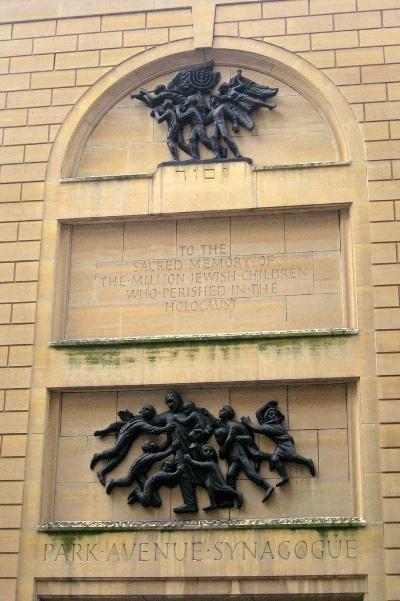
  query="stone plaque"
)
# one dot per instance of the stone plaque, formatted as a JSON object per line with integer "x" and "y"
{"x": 199, "y": 276}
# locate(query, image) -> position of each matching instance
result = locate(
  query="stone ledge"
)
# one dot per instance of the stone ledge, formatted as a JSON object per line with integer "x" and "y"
{"x": 131, "y": 340}
{"x": 272, "y": 523}
{"x": 249, "y": 161}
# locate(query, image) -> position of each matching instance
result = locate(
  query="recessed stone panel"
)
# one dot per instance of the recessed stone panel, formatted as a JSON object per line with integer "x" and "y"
{"x": 316, "y": 416}
{"x": 206, "y": 276}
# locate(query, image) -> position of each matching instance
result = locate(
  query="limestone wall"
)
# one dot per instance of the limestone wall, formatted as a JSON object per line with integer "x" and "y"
{"x": 51, "y": 53}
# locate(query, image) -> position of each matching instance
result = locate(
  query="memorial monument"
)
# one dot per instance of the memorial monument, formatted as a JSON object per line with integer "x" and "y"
{"x": 212, "y": 399}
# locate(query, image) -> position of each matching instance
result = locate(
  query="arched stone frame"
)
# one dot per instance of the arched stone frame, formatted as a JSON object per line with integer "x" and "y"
{"x": 69, "y": 199}
{"x": 134, "y": 72}
{"x": 52, "y": 368}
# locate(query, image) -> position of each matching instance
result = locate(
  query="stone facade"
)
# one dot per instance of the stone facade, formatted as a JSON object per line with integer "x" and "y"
{"x": 79, "y": 169}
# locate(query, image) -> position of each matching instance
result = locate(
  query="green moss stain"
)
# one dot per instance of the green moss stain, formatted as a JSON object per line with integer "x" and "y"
{"x": 128, "y": 353}
{"x": 93, "y": 355}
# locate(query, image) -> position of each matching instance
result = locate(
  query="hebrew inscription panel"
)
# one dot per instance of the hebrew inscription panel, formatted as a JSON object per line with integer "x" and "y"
{"x": 206, "y": 276}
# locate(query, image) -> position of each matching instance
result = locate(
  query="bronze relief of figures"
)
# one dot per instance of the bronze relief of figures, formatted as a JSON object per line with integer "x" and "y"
{"x": 187, "y": 457}
{"x": 190, "y": 100}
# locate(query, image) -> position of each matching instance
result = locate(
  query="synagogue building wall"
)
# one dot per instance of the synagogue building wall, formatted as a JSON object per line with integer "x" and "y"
{"x": 79, "y": 163}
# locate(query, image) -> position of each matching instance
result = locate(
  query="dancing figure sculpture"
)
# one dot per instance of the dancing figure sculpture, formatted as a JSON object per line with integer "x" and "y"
{"x": 188, "y": 100}
{"x": 270, "y": 421}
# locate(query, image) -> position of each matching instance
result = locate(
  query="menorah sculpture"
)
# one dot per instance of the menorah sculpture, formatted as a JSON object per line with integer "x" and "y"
{"x": 188, "y": 100}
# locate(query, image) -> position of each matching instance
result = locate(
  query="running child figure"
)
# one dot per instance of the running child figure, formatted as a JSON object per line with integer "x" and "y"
{"x": 270, "y": 421}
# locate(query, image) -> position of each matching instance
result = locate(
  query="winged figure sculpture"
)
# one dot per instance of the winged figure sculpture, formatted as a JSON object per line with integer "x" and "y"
{"x": 187, "y": 103}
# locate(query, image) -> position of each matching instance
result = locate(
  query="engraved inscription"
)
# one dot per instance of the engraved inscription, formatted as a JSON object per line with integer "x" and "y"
{"x": 209, "y": 282}
{"x": 138, "y": 551}
{"x": 206, "y": 276}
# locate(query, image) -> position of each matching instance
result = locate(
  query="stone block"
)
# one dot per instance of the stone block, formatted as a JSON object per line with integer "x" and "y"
{"x": 388, "y": 341}
{"x": 14, "y": 446}
{"x": 384, "y": 253}
{"x": 170, "y": 18}
{"x": 8, "y": 232}
{"x": 8, "y": 589}
{"x": 12, "y": 334}
{"x": 11, "y": 494}
{"x": 325, "y": 227}
{"x": 12, "y": 422}
{"x": 18, "y": 81}
{"x": 81, "y": 501}
{"x": 336, "y": 39}
{"x": 37, "y": 153}
{"x": 24, "y": 313}
{"x": 227, "y": 29}
{"x": 282, "y": 9}
{"x": 309, "y": 24}
{"x": 85, "y": 243}
{"x": 23, "y": 64}
{"x": 320, "y": 58}
{"x": 391, "y": 485}
{"x": 34, "y": 29}
{"x": 20, "y": 356}
{"x": 32, "y": 191}
{"x": 377, "y": 130}
{"x": 261, "y": 27}
{"x": 74, "y": 455}
{"x": 22, "y": 99}
{"x": 181, "y": 33}
{"x": 383, "y": 73}
{"x": 324, "y": 311}
{"x": 344, "y": 76}
{"x": 257, "y": 234}
{"x": 325, "y": 6}
{"x": 93, "y": 41}
{"x": 17, "y": 400}
{"x": 78, "y": 25}
{"x": 365, "y": 20}
{"x": 87, "y": 77}
{"x": 26, "y": 135}
{"x": 241, "y": 12}
{"x": 12, "y": 468}
{"x": 321, "y": 407}
{"x": 10, "y": 193}
{"x": 81, "y": 410}
{"x": 10, "y": 541}
{"x": 77, "y": 60}
{"x": 53, "y": 79}
{"x": 42, "y": 115}
{"x": 16, "y": 292}
{"x": 387, "y": 36}
{"x": 11, "y": 118}
{"x": 359, "y": 56}
{"x": 145, "y": 37}
{"x": 25, "y": 172}
{"x": 5, "y": 314}
{"x": 392, "y": 54}
{"x": 365, "y": 93}
{"x": 65, "y": 43}
{"x": 386, "y": 296}
{"x": 8, "y": 565}
{"x": 67, "y": 95}
{"x": 124, "y": 21}
{"x": 15, "y": 48}
{"x": 118, "y": 55}
{"x": 7, "y": 272}
{"x": 294, "y": 43}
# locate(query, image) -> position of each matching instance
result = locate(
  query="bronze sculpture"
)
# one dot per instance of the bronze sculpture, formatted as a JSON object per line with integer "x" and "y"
{"x": 194, "y": 461}
{"x": 270, "y": 421}
{"x": 184, "y": 101}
